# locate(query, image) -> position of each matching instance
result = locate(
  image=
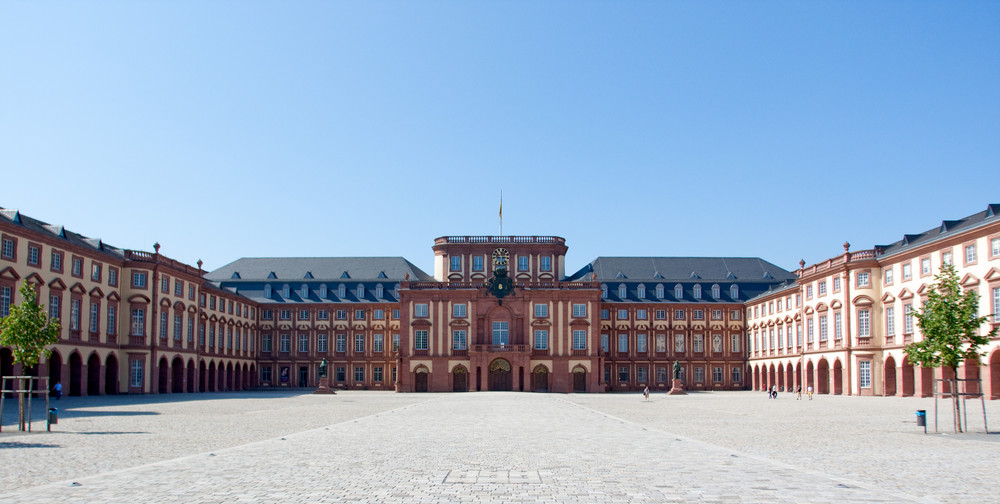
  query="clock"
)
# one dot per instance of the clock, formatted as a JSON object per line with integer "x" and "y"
{"x": 501, "y": 257}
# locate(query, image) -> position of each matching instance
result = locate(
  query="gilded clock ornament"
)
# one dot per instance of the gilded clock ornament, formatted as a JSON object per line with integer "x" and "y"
{"x": 501, "y": 257}
{"x": 500, "y": 285}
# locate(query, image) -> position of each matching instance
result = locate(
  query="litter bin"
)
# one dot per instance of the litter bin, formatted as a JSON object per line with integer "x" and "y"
{"x": 922, "y": 419}
{"x": 53, "y": 418}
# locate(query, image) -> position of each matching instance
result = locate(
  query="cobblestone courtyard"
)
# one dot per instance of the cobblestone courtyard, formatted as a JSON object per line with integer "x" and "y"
{"x": 496, "y": 447}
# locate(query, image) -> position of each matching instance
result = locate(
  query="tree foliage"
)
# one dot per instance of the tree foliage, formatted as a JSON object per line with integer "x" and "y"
{"x": 27, "y": 330}
{"x": 949, "y": 324}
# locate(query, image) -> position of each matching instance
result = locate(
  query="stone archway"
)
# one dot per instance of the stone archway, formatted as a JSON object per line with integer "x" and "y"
{"x": 770, "y": 376}
{"x": 970, "y": 371}
{"x": 177, "y": 376}
{"x": 822, "y": 377}
{"x": 94, "y": 375}
{"x": 420, "y": 379}
{"x": 889, "y": 372}
{"x": 810, "y": 376}
{"x": 756, "y": 378}
{"x": 540, "y": 378}
{"x": 908, "y": 379}
{"x": 190, "y": 376}
{"x": 798, "y": 375}
{"x": 781, "y": 377}
{"x": 838, "y": 377}
{"x": 75, "y": 374}
{"x": 500, "y": 375}
{"x": 55, "y": 369}
{"x": 164, "y": 376}
{"x": 111, "y": 375}
{"x": 212, "y": 377}
{"x": 579, "y": 379}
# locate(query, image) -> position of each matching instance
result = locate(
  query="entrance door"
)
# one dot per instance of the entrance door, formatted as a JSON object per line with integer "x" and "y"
{"x": 461, "y": 381}
{"x": 500, "y": 375}
{"x": 303, "y": 376}
{"x": 579, "y": 382}
{"x": 420, "y": 383}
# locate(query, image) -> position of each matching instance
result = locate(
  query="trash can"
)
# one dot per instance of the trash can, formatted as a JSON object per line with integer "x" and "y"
{"x": 53, "y": 416}
{"x": 921, "y": 418}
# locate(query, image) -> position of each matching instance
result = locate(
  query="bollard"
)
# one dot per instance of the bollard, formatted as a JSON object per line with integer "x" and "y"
{"x": 922, "y": 419}
{"x": 53, "y": 418}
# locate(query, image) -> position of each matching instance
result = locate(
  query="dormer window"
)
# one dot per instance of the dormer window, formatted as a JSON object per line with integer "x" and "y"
{"x": 322, "y": 291}
{"x": 641, "y": 291}
{"x": 342, "y": 291}
{"x": 379, "y": 291}
{"x": 697, "y": 291}
{"x": 659, "y": 291}
{"x": 267, "y": 291}
{"x": 361, "y": 291}
{"x": 622, "y": 291}
{"x": 286, "y": 291}
{"x": 604, "y": 291}
{"x": 678, "y": 291}
{"x": 734, "y": 291}
{"x": 305, "y": 291}
{"x": 716, "y": 291}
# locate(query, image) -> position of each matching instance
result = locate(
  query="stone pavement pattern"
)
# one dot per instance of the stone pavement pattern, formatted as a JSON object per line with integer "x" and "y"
{"x": 494, "y": 447}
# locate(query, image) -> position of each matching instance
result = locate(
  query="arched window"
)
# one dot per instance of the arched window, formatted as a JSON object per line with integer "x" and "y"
{"x": 734, "y": 291}
{"x": 379, "y": 291}
{"x": 285, "y": 291}
{"x": 697, "y": 291}
{"x": 341, "y": 291}
{"x": 322, "y": 290}
{"x": 395, "y": 291}
{"x": 604, "y": 291}
{"x": 305, "y": 291}
{"x": 659, "y": 291}
{"x": 267, "y": 291}
{"x": 716, "y": 291}
{"x": 640, "y": 291}
{"x": 678, "y": 291}
{"x": 622, "y": 291}
{"x": 361, "y": 291}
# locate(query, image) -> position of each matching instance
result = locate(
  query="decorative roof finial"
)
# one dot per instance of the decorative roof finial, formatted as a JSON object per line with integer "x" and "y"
{"x": 156, "y": 247}
{"x": 802, "y": 263}
{"x": 847, "y": 246}
{"x": 199, "y": 264}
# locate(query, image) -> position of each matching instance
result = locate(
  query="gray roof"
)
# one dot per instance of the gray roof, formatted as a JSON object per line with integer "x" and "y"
{"x": 340, "y": 269}
{"x": 789, "y": 285}
{"x": 684, "y": 269}
{"x": 946, "y": 229}
{"x": 95, "y": 244}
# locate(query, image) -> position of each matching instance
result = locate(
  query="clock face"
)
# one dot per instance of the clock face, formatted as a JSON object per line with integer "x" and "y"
{"x": 501, "y": 257}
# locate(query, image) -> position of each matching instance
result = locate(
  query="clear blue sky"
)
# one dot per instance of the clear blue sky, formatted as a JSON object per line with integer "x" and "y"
{"x": 315, "y": 128}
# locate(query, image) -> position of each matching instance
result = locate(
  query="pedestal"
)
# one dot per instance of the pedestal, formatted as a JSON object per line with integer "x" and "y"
{"x": 677, "y": 387}
{"x": 324, "y": 386}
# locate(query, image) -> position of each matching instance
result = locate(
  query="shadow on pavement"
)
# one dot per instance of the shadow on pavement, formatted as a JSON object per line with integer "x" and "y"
{"x": 18, "y": 444}
{"x": 78, "y": 413}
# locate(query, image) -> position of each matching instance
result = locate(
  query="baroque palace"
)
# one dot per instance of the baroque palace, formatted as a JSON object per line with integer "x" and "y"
{"x": 499, "y": 313}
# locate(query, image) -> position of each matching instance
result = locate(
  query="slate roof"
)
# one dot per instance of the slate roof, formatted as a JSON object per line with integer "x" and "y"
{"x": 946, "y": 229}
{"x": 788, "y": 285}
{"x": 95, "y": 244}
{"x": 683, "y": 269}
{"x": 321, "y": 269}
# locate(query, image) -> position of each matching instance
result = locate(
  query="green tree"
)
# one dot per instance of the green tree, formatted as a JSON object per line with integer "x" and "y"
{"x": 950, "y": 327}
{"x": 27, "y": 331}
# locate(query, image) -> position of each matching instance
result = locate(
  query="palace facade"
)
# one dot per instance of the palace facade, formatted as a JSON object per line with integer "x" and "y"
{"x": 498, "y": 313}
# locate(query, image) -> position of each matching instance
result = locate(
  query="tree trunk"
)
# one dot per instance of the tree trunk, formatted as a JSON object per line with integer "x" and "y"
{"x": 954, "y": 398}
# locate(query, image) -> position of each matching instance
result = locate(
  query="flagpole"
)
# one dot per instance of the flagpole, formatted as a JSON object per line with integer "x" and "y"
{"x": 501, "y": 212}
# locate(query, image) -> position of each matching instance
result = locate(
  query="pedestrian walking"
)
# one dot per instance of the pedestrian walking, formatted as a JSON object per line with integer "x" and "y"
{"x": 798, "y": 392}
{"x": 645, "y": 393}
{"x": 810, "y": 392}
{"x": 774, "y": 391}
{"x": 58, "y": 389}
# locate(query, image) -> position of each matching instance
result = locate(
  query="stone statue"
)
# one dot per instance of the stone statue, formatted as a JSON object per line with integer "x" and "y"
{"x": 677, "y": 370}
{"x": 322, "y": 369}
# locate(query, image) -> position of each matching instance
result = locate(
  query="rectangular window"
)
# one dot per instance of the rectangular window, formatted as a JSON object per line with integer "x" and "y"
{"x": 139, "y": 279}
{"x": 864, "y": 323}
{"x": 395, "y": 343}
{"x": 341, "y": 374}
{"x": 579, "y": 310}
{"x": 420, "y": 339}
{"x": 605, "y": 343}
{"x": 546, "y": 263}
{"x": 477, "y": 263}
{"x": 95, "y": 316}
{"x": 163, "y": 325}
{"x": 623, "y": 373}
{"x": 211, "y": 336}
{"x": 623, "y": 343}
{"x": 838, "y": 327}
{"x": 622, "y": 314}
{"x": 822, "y": 327}
{"x": 642, "y": 374}
{"x": 191, "y": 329}
{"x": 734, "y": 340}
{"x": 541, "y": 310}
{"x": 303, "y": 343}
{"x": 809, "y": 291}
{"x": 285, "y": 343}
{"x": 522, "y": 263}
{"x": 378, "y": 343}
{"x": 579, "y": 339}
{"x": 376, "y": 314}
{"x": 661, "y": 374}
{"x": 541, "y": 339}
{"x": 377, "y": 374}
{"x": 456, "y": 263}
{"x": 863, "y": 279}
{"x": 165, "y": 284}
{"x": 179, "y": 288}
{"x": 836, "y": 284}
{"x": 265, "y": 343}
{"x": 139, "y": 322}
{"x": 112, "y": 276}
{"x": 640, "y": 343}
{"x": 458, "y": 341}
{"x": 56, "y": 259}
{"x": 458, "y": 310}
{"x": 191, "y": 290}
{"x": 888, "y": 276}
{"x": 359, "y": 314}
{"x": 737, "y": 375}
{"x": 341, "y": 314}
{"x": 661, "y": 314}
{"x": 605, "y": 314}
{"x": 112, "y": 319}
{"x": 717, "y": 314}
{"x": 266, "y": 314}
{"x": 995, "y": 247}
{"x": 359, "y": 343}
{"x": 699, "y": 374}
{"x": 77, "y": 270}
{"x": 946, "y": 257}
{"x": 285, "y": 314}
{"x": 303, "y": 314}
{"x": 822, "y": 288}
{"x": 970, "y": 254}
{"x": 907, "y": 271}
{"x": 996, "y": 305}
{"x": 890, "y": 321}
{"x": 865, "y": 373}
{"x": 699, "y": 342}
{"x": 34, "y": 255}
{"x": 925, "y": 266}
{"x": 54, "y": 309}
{"x": 717, "y": 374}
{"x": 500, "y": 333}
{"x": 395, "y": 316}
{"x": 640, "y": 314}
{"x": 341, "y": 343}
{"x": 265, "y": 374}
{"x": 178, "y": 327}
{"x": 698, "y": 315}
{"x": 809, "y": 330}
{"x": 420, "y": 309}
{"x": 135, "y": 374}
{"x": 678, "y": 314}
{"x": 359, "y": 374}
